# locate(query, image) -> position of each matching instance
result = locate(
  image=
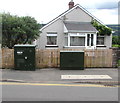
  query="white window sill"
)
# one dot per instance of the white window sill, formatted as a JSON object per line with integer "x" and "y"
{"x": 100, "y": 45}
{"x": 73, "y": 46}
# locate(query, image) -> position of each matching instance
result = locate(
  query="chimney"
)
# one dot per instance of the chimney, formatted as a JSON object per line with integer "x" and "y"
{"x": 71, "y": 4}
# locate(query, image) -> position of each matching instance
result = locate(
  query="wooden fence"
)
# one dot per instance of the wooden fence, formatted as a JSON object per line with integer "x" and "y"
{"x": 51, "y": 58}
{"x": 7, "y": 58}
{"x": 47, "y": 58}
{"x": 98, "y": 58}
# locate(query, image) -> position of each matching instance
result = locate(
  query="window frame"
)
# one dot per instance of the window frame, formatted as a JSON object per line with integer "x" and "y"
{"x": 91, "y": 40}
{"x": 77, "y": 37}
{"x": 69, "y": 35}
{"x": 51, "y": 35}
{"x": 103, "y": 41}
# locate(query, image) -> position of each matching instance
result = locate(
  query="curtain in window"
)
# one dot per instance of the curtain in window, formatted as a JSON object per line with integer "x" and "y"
{"x": 100, "y": 40}
{"x": 77, "y": 41}
{"x": 51, "y": 40}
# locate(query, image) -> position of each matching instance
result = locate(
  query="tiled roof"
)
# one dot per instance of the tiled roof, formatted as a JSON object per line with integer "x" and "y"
{"x": 80, "y": 27}
{"x": 69, "y": 10}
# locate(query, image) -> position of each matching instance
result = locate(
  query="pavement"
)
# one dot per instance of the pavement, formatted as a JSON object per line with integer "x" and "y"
{"x": 54, "y": 75}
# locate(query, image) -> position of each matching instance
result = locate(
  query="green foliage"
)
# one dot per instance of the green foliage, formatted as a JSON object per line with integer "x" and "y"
{"x": 115, "y": 45}
{"x": 102, "y": 29}
{"x": 115, "y": 40}
{"x": 118, "y": 62}
{"x": 18, "y": 30}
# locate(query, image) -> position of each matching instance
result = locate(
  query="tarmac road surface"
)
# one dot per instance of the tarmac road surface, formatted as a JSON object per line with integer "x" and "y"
{"x": 57, "y": 92}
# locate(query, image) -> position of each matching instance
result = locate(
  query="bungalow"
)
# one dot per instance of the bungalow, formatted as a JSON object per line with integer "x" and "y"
{"x": 73, "y": 29}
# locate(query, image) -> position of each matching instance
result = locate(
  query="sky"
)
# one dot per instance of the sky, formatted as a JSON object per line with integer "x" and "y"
{"x": 46, "y": 10}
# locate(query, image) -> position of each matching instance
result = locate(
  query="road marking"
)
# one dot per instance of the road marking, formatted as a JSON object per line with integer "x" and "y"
{"x": 85, "y": 77}
{"x": 40, "y": 84}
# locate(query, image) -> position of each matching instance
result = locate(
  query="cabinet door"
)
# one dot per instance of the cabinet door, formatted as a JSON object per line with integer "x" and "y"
{"x": 25, "y": 58}
{"x": 30, "y": 58}
{"x": 72, "y": 60}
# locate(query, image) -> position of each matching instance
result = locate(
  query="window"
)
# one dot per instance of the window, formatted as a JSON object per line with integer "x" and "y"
{"x": 66, "y": 41}
{"x": 100, "y": 40}
{"x": 90, "y": 39}
{"x": 77, "y": 41}
{"x": 51, "y": 39}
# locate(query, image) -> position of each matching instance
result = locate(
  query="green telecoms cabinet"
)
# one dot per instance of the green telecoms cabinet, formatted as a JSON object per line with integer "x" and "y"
{"x": 71, "y": 60}
{"x": 24, "y": 57}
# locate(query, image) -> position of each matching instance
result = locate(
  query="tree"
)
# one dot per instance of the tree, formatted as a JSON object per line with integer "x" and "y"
{"x": 115, "y": 40}
{"x": 102, "y": 29}
{"x": 18, "y": 30}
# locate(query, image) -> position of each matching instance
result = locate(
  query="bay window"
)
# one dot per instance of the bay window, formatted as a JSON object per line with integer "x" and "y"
{"x": 80, "y": 40}
{"x": 75, "y": 39}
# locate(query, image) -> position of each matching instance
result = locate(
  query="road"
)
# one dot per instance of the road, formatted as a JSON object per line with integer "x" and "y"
{"x": 57, "y": 92}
